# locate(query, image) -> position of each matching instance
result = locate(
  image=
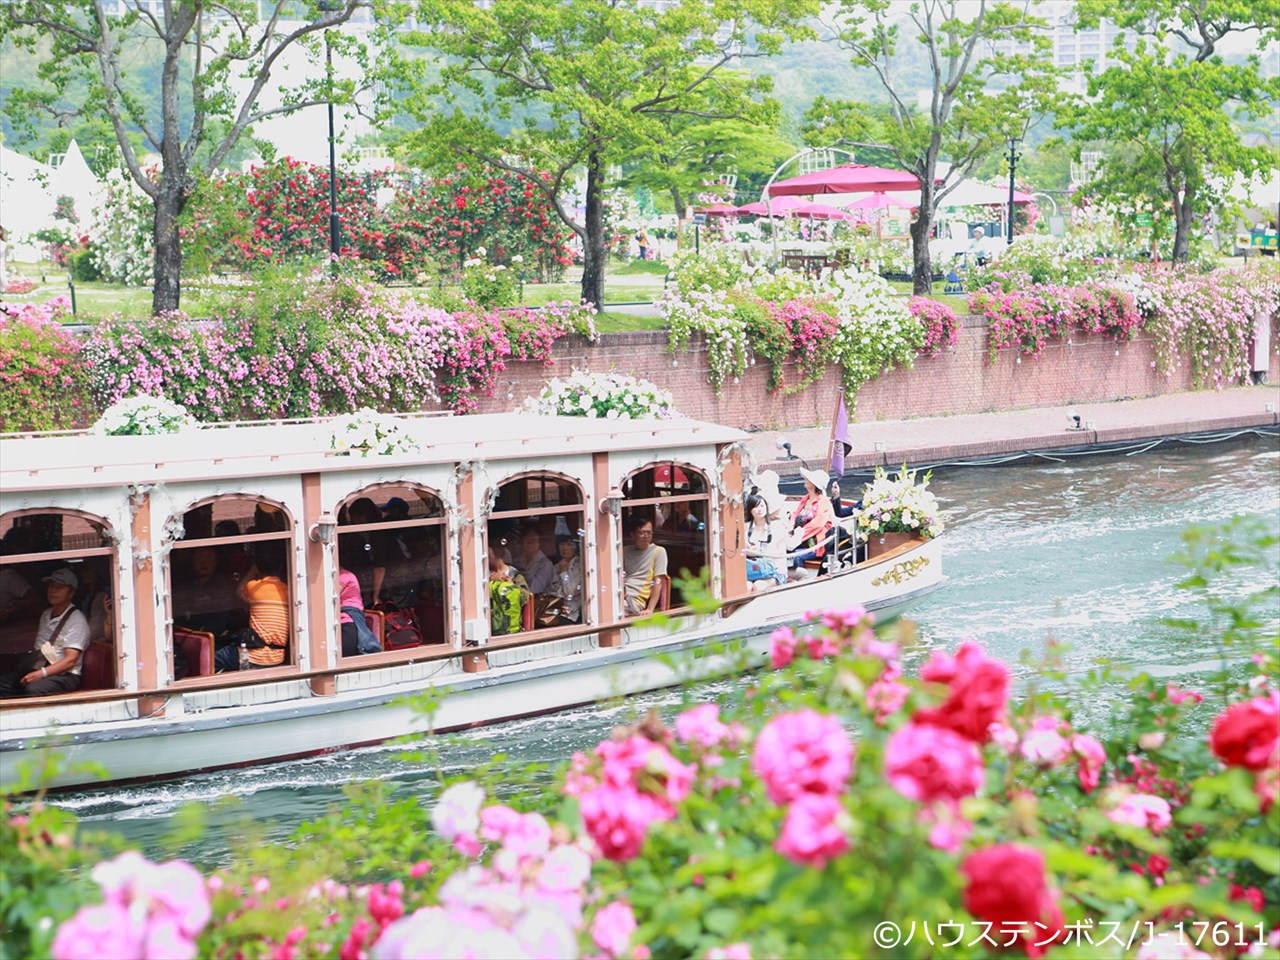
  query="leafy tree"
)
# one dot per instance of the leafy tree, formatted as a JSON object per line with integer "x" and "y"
{"x": 589, "y": 85}
{"x": 978, "y": 96}
{"x": 217, "y": 58}
{"x": 1168, "y": 117}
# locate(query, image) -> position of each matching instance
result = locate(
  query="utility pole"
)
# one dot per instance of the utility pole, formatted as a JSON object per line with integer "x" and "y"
{"x": 1014, "y": 156}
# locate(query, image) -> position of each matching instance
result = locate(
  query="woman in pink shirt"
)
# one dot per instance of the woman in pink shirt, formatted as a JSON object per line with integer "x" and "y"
{"x": 813, "y": 520}
{"x": 349, "y": 596}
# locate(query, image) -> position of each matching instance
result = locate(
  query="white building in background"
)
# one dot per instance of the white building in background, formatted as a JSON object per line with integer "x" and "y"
{"x": 1071, "y": 49}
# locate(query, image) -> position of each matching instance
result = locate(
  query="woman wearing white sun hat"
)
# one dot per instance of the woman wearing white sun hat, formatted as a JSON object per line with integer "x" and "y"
{"x": 812, "y": 521}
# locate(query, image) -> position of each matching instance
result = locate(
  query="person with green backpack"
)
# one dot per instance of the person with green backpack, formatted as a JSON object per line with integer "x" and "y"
{"x": 508, "y": 593}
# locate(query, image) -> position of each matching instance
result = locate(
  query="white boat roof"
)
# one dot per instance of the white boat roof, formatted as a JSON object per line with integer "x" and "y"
{"x": 214, "y": 452}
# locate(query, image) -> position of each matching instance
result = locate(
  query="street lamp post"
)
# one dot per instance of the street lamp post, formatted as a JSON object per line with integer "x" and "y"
{"x": 1014, "y": 156}
{"x": 335, "y": 228}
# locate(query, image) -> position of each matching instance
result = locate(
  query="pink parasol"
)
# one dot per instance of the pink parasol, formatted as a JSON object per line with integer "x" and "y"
{"x": 820, "y": 211}
{"x": 777, "y": 207}
{"x": 719, "y": 210}
{"x": 877, "y": 201}
{"x": 846, "y": 178}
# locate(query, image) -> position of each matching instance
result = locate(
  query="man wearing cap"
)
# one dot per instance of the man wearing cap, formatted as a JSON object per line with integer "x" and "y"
{"x": 63, "y": 633}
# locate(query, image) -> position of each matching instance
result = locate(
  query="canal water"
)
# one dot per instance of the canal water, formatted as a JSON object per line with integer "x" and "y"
{"x": 1076, "y": 553}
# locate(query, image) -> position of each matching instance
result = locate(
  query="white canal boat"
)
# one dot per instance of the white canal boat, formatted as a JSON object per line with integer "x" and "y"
{"x": 163, "y": 530}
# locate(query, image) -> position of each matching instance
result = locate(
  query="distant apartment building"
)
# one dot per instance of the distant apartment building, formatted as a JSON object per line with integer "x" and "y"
{"x": 1071, "y": 48}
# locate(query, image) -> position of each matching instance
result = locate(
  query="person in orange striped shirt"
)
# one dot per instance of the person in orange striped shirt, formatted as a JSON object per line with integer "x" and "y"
{"x": 267, "y": 595}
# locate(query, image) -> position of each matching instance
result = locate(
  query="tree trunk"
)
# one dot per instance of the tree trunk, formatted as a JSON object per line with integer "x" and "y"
{"x": 921, "y": 263}
{"x": 1182, "y": 215}
{"x": 167, "y": 293}
{"x": 594, "y": 251}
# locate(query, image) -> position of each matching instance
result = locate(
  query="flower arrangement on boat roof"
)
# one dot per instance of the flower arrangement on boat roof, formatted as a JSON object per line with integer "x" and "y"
{"x": 143, "y": 416}
{"x": 369, "y": 431}
{"x": 608, "y": 396}
{"x": 899, "y": 505}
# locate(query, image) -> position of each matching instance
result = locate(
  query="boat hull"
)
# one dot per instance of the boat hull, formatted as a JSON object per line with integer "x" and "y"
{"x": 519, "y": 683}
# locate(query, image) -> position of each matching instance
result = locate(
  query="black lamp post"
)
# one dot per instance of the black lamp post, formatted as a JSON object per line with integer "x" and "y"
{"x": 1014, "y": 156}
{"x": 335, "y": 229}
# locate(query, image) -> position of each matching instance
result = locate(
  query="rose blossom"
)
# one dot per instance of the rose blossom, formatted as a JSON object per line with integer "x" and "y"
{"x": 811, "y": 833}
{"x": 1043, "y": 744}
{"x": 1092, "y": 757}
{"x": 1005, "y": 886}
{"x": 618, "y": 818}
{"x": 1142, "y": 810}
{"x": 803, "y": 752}
{"x": 782, "y": 647}
{"x": 702, "y": 725}
{"x": 979, "y": 689}
{"x": 927, "y": 763}
{"x": 612, "y": 928}
{"x": 1246, "y": 734}
{"x": 458, "y": 810}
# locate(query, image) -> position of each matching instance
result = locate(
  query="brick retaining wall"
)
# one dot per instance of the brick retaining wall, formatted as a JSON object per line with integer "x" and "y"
{"x": 1082, "y": 370}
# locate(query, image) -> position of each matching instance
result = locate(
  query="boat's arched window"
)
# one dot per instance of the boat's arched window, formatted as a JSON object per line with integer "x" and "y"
{"x": 230, "y": 570}
{"x": 537, "y": 528}
{"x": 35, "y": 543}
{"x": 676, "y": 498}
{"x": 393, "y": 539}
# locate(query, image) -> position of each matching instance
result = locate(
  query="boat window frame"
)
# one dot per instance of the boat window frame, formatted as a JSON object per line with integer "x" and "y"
{"x": 110, "y": 549}
{"x": 385, "y": 658}
{"x": 631, "y": 503}
{"x": 588, "y": 567}
{"x": 288, "y": 534}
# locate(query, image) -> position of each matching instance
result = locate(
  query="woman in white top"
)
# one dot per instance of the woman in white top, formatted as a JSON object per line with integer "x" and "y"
{"x": 766, "y": 548}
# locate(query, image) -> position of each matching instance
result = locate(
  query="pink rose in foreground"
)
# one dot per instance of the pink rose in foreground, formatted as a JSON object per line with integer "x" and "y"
{"x": 1044, "y": 744}
{"x": 887, "y": 695}
{"x": 1142, "y": 810}
{"x": 803, "y": 752}
{"x": 1092, "y": 758}
{"x": 523, "y": 834}
{"x": 731, "y": 951}
{"x": 1247, "y": 734}
{"x": 101, "y": 932}
{"x": 978, "y": 694}
{"x": 926, "y": 763}
{"x": 782, "y": 647}
{"x": 811, "y": 833}
{"x": 617, "y": 819}
{"x": 702, "y": 725}
{"x": 458, "y": 810}
{"x": 1005, "y": 886}
{"x": 612, "y": 928}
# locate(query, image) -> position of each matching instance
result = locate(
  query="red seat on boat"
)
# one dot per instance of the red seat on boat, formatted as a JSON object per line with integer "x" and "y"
{"x": 375, "y": 621}
{"x": 97, "y": 666}
{"x": 197, "y": 651}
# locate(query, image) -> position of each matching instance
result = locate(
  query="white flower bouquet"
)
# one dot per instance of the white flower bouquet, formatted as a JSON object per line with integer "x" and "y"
{"x": 143, "y": 416}
{"x": 899, "y": 505}
{"x": 610, "y": 396}
{"x": 369, "y": 432}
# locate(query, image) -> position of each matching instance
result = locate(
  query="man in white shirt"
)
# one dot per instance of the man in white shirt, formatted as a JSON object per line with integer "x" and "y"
{"x": 63, "y": 633}
{"x": 977, "y": 248}
{"x": 643, "y": 562}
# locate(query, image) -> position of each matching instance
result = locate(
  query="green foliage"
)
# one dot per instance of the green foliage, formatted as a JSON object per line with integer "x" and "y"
{"x": 1168, "y": 122}
{"x": 581, "y": 85}
{"x": 83, "y": 266}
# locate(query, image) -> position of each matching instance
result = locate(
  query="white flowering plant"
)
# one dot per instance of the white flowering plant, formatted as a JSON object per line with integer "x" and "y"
{"x": 899, "y": 504}
{"x": 609, "y": 396}
{"x": 877, "y": 331}
{"x": 713, "y": 314}
{"x": 491, "y": 286}
{"x": 143, "y": 416}
{"x": 369, "y": 432}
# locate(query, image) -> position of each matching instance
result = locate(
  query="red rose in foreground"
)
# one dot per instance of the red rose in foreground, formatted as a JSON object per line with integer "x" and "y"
{"x": 1247, "y": 734}
{"x": 1005, "y": 887}
{"x": 979, "y": 691}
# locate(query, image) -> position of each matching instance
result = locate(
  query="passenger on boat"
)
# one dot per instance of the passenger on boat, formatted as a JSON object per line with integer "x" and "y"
{"x": 812, "y": 521}
{"x": 683, "y": 521}
{"x": 642, "y": 563}
{"x": 369, "y": 563}
{"x": 16, "y": 595}
{"x": 838, "y": 506}
{"x": 349, "y": 598}
{"x": 268, "y": 598}
{"x": 568, "y": 580}
{"x": 539, "y": 572}
{"x": 63, "y": 633}
{"x": 508, "y": 593}
{"x": 765, "y": 550}
{"x": 841, "y": 540}
{"x": 207, "y": 601}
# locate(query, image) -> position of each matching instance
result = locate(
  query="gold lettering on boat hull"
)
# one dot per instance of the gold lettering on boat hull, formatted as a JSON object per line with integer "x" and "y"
{"x": 902, "y": 570}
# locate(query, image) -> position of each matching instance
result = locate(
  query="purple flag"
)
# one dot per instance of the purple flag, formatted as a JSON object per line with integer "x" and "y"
{"x": 840, "y": 445}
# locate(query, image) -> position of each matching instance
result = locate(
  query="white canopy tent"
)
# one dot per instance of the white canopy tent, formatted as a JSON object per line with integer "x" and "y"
{"x": 28, "y": 202}
{"x": 73, "y": 178}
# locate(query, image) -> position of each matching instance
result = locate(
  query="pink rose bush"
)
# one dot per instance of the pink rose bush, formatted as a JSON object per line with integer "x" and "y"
{"x": 779, "y": 821}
